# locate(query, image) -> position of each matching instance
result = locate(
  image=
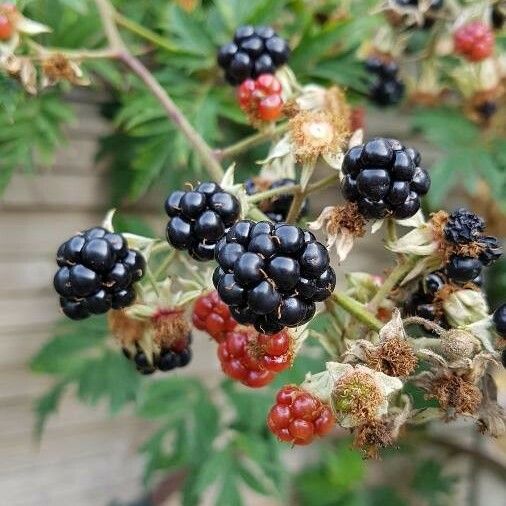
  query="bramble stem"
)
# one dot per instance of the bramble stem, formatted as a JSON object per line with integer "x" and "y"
{"x": 395, "y": 277}
{"x": 250, "y": 142}
{"x": 357, "y": 310}
{"x": 173, "y": 112}
{"x": 256, "y": 214}
{"x": 291, "y": 189}
{"x": 294, "y": 212}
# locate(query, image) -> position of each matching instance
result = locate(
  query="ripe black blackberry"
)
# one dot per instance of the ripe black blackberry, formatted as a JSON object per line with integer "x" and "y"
{"x": 384, "y": 178}
{"x": 199, "y": 218}
{"x": 499, "y": 320}
{"x": 255, "y": 50}
{"x": 386, "y": 88}
{"x": 463, "y": 227}
{"x": 97, "y": 273}
{"x": 278, "y": 207}
{"x": 177, "y": 355}
{"x": 272, "y": 275}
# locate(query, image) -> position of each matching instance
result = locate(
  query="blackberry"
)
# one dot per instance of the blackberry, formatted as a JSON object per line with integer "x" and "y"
{"x": 199, "y": 218}
{"x": 255, "y": 50}
{"x": 492, "y": 250}
{"x": 278, "y": 207}
{"x": 384, "y": 178}
{"x": 271, "y": 276}
{"x": 499, "y": 320}
{"x": 463, "y": 269}
{"x": 385, "y": 88}
{"x": 463, "y": 227}
{"x": 97, "y": 273}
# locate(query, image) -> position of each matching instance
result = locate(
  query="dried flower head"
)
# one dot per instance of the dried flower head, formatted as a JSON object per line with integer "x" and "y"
{"x": 58, "y": 67}
{"x": 458, "y": 344}
{"x": 125, "y": 329}
{"x": 360, "y": 394}
{"x": 22, "y": 69}
{"x": 169, "y": 325}
{"x": 455, "y": 394}
{"x": 370, "y": 437}
{"x": 394, "y": 357}
{"x": 315, "y": 134}
{"x": 341, "y": 225}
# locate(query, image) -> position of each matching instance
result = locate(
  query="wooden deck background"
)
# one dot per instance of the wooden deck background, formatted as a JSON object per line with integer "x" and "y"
{"x": 85, "y": 458}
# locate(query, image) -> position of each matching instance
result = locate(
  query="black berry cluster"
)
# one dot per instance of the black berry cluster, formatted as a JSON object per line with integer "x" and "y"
{"x": 97, "y": 273}
{"x": 255, "y": 50}
{"x": 463, "y": 228}
{"x": 177, "y": 355}
{"x": 278, "y": 207}
{"x": 272, "y": 275}
{"x": 386, "y": 88}
{"x": 384, "y": 178}
{"x": 199, "y": 218}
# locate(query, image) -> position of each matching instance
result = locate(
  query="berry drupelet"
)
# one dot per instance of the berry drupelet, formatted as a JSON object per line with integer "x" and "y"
{"x": 474, "y": 41}
{"x": 298, "y": 416}
{"x": 386, "y": 88}
{"x": 212, "y": 315}
{"x": 199, "y": 218}
{"x": 261, "y": 98}
{"x": 278, "y": 207}
{"x": 499, "y": 320}
{"x": 271, "y": 276}
{"x": 97, "y": 273}
{"x": 255, "y": 50}
{"x": 384, "y": 178}
{"x": 463, "y": 227}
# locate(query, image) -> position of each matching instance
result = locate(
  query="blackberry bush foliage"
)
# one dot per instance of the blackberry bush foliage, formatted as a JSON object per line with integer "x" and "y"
{"x": 241, "y": 262}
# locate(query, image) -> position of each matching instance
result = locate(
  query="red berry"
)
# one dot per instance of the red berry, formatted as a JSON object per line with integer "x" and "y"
{"x": 273, "y": 352}
{"x": 213, "y": 316}
{"x": 261, "y": 98}
{"x": 475, "y": 41}
{"x": 298, "y": 416}
{"x": 238, "y": 362}
{"x": 6, "y": 28}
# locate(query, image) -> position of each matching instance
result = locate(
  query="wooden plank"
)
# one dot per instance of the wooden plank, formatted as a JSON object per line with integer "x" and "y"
{"x": 16, "y": 349}
{"x": 21, "y": 276}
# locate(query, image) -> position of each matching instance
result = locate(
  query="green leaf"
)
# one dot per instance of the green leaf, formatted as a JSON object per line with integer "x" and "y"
{"x": 431, "y": 483}
{"x": 229, "y": 493}
{"x": 47, "y": 405}
{"x": 211, "y": 470}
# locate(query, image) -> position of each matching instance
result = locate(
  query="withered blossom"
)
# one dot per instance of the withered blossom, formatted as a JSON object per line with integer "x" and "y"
{"x": 169, "y": 325}
{"x": 359, "y": 393}
{"x": 342, "y": 225}
{"x": 22, "y": 69}
{"x": 124, "y": 328}
{"x": 59, "y": 67}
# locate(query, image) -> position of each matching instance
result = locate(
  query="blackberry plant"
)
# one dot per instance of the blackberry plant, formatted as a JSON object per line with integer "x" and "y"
{"x": 370, "y": 355}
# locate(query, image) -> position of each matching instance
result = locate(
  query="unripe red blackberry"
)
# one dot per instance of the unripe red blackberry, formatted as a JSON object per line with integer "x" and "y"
{"x": 475, "y": 41}
{"x": 212, "y": 315}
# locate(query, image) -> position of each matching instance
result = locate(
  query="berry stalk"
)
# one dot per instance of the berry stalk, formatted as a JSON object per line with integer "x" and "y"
{"x": 357, "y": 310}
{"x": 395, "y": 277}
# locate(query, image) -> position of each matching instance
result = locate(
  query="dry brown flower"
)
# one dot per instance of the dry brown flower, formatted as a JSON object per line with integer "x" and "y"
{"x": 394, "y": 357}
{"x": 58, "y": 67}
{"x": 316, "y": 133}
{"x": 125, "y": 329}
{"x": 357, "y": 394}
{"x": 370, "y": 437}
{"x": 455, "y": 394}
{"x": 169, "y": 325}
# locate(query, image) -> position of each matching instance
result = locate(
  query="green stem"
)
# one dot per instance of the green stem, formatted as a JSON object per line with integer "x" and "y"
{"x": 143, "y": 32}
{"x": 152, "y": 280}
{"x": 294, "y": 212}
{"x": 291, "y": 189}
{"x": 165, "y": 264}
{"x": 357, "y": 310}
{"x": 394, "y": 278}
{"x": 255, "y": 214}
{"x": 250, "y": 142}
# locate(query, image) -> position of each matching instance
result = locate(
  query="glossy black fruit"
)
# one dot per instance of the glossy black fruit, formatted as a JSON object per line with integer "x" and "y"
{"x": 383, "y": 178}
{"x": 254, "y": 51}
{"x": 463, "y": 269}
{"x": 385, "y": 87}
{"x": 270, "y": 276}
{"x": 97, "y": 272}
{"x": 200, "y": 218}
{"x": 499, "y": 320}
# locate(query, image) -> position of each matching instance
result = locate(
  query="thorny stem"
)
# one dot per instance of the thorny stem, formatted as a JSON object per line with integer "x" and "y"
{"x": 172, "y": 110}
{"x": 395, "y": 277}
{"x": 357, "y": 310}
{"x": 250, "y": 142}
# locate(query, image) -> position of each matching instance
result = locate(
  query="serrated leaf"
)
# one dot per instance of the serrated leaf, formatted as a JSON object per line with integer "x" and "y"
{"x": 47, "y": 405}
